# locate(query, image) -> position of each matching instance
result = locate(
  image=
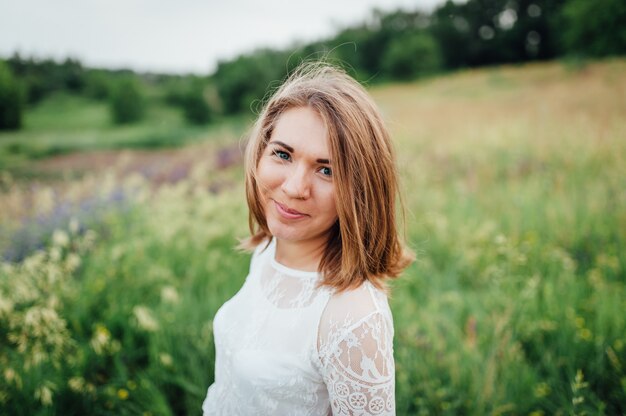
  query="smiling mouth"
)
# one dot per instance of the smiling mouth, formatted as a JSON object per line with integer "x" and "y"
{"x": 287, "y": 212}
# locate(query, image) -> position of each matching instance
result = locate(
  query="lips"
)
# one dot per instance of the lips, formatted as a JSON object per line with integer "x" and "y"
{"x": 287, "y": 212}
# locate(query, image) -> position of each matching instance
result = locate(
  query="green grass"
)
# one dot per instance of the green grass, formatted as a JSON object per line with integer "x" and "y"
{"x": 65, "y": 123}
{"x": 515, "y": 306}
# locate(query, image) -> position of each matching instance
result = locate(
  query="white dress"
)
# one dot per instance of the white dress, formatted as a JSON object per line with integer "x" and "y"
{"x": 284, "y": 347}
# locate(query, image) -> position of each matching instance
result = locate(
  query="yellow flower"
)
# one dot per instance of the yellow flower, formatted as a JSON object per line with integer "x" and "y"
{"x": 580, "y": 322}
{"x": 122, "y": 394}
{"x": 100, "y": 339}
{"x": 613, "y": 358}
{"x": 542, "y": 390}
{"x": 585, "y": 334}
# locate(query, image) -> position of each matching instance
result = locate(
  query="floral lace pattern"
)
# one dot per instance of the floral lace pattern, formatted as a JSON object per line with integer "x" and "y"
{"x": 287, "y": 347}
{"x": 286, "y": 291}
{"x": 356, "y": 350}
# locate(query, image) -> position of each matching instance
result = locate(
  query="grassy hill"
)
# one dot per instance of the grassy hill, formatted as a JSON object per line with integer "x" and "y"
{"x": 513, "y": 184}
{"x": 64, "y": 124}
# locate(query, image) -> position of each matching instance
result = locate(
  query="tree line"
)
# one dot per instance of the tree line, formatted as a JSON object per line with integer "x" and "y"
{"x": 388, "y": 46}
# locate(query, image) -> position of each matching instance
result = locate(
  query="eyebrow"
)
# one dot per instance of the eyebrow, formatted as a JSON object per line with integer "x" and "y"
{"x": 291, "y": 149}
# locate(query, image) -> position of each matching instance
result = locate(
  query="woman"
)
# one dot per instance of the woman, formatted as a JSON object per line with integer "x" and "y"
{"x": 310, "y": 331}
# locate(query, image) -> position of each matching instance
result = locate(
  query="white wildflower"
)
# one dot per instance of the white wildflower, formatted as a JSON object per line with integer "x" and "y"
{"x": 100, "y": 339}
{"x": 6, "y": 306}
{"x": 72, "y": 262}
{"x": 169, "y": 294}
{"x": 60, "y": 238}
{"x": 55, "y": 253}
{"x": 9, "y": 375}
{"x": 145, "y": 319}
{"x": 44, "y": 395}
{"x": 76, "y": 384}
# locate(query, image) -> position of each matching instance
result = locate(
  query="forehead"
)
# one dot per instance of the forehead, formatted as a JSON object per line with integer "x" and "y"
{"x": 303, "y": 129}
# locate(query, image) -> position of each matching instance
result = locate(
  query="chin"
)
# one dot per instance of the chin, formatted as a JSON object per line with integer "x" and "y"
{"x": 285, "y": 232}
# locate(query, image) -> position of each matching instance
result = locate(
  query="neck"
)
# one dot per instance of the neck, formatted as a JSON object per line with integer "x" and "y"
{"x": 301, "y": 255}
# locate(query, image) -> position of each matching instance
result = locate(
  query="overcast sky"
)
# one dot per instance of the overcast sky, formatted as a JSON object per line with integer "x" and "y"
{"x": 173, "y": 36}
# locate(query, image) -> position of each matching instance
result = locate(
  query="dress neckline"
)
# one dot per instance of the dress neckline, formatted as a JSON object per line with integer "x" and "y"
{"x": 285, "y": 269}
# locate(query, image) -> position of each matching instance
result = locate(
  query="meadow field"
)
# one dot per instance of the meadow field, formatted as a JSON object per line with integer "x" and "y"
{"x": 114, "y": 260}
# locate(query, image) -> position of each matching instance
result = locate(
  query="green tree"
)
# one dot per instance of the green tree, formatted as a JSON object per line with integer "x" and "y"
{"x": 195, "y": 106}
{"x": 245, "y": 79}
{"x": 412, "y": 55}
{"x": 11, "y": 100}
{"x": 127, "y": 102}
{"x": 72, "y": 75}
{"x": 595, "y": 28}
{"x": 193, "y": 95}
{"x": 487, "y": 32}
{"x": 98, "y": 84}
{"x": 40, "y": 78}
{"x": 363, "y": 48}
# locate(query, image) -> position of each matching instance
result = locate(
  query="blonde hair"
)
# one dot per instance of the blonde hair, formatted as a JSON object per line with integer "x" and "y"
{"x": 363, "y": 244}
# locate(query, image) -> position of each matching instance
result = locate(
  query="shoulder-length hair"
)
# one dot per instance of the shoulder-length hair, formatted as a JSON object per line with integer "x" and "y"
{"x": 364, "y": 243}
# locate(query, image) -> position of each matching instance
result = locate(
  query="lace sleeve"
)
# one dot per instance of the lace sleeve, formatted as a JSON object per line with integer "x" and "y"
{"x": 358, "y": 366}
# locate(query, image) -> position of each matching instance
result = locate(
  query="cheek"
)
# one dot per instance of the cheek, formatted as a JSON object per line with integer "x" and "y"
{"x": 334, "y": 211}
{"x": 268, "y": 181}
{"x": 264, "y": 178}
{"x": 329, "y": 203}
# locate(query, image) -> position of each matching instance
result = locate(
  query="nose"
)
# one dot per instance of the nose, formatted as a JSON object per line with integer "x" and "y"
{"x": 297, "y": 183}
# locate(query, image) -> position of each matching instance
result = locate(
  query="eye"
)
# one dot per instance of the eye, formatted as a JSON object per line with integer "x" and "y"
{"x": 281, "y": 154}
{"x": 326, "y": 171}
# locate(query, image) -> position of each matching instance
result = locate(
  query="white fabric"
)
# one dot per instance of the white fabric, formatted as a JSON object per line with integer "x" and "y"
{"x": 284, "y": 347}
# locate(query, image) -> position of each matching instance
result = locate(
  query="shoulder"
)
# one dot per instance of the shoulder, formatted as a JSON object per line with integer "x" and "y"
{"x": 356, "y": 304}
{"x": 364, "y": 310}
{"x": 355, "y": 345}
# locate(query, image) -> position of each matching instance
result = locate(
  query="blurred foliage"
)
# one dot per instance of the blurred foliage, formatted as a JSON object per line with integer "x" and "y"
{"x": 191, "y": 95}
{"x": 11, "y": 99}
{"x": 412, "y": 56}
{"x": 595, "y": 28}
{"x": 98, "y": 84}
{"x": 245, "y": 78}
{"x": 487, "y": 32}
{"x": 386, "y": 46}
{"x": 65, "y": 123}
{"x": 403, "y": 45}
{"x": 127, "y": 102}
{"x": 195, "y": 107}
{"x": 43, "y": 77}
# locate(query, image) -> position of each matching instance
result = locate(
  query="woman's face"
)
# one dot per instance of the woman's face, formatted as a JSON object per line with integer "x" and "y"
{"x": 295, "y": 179}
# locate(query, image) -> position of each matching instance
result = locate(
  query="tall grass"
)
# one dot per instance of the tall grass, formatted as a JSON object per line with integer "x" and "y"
{"x": 513, "y": 181}
{"x": 517, "y": 200}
